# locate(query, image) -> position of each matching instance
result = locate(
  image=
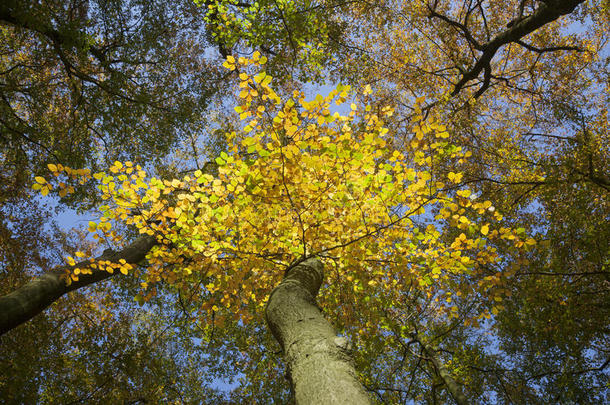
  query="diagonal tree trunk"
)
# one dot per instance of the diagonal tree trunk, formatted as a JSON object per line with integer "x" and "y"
{"x": 320, "y": 367}
{"x": 28, "y": 301}
{"x": 454, "y": 388}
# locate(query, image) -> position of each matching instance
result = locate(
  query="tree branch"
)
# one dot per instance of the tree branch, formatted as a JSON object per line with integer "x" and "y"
{"x": 448, "y": 380}
{"x": 28, "y": 301}
{"x": 548, "y": 11}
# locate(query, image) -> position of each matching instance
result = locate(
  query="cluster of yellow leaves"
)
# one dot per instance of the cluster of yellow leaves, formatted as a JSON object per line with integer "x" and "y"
{"x": 300, "y": 180}
{"x": 82, "y": 175}
{"x": 256, "y": 60}
{"x": 87, "y": 267}
{"x": 42, "y": 185}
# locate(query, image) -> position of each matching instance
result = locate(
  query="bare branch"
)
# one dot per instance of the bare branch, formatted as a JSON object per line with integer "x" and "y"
{"x": 547, "y": 11}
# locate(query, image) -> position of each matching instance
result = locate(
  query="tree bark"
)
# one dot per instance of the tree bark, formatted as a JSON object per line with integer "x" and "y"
{"x": 320, "y": 366}
{"x": 452, "y": 385}
{"x": 546, "y": 12}
{"x": 28, "y": 301}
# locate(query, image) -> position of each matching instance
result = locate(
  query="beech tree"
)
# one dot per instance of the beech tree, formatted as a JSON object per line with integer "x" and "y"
{"x": 336, "y": 193}
{"x": 413, "y": 238}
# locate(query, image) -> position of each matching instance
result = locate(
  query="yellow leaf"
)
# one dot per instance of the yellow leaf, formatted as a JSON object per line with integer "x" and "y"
{"x": 464, "y": 193}
{"x": 40, "y": 180}
{"x": 455, "y": 177}
{"x": 485, "y": 229}
{"x": 52, "y": 167}
{"x": 44, "y": 191}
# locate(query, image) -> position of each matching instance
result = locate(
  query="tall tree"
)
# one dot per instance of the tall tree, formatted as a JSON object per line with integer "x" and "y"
{"x": 335, "y": 190}
{"x": 400, "y": 286}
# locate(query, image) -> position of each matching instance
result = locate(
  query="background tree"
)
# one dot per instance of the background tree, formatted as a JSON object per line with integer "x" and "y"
{"x": 82, "y": 80}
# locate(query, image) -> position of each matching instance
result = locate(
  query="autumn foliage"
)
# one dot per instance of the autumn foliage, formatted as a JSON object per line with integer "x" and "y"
{"x": 455, "y": 193}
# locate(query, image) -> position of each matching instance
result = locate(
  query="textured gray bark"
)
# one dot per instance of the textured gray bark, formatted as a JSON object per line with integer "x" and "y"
{"x": 28, "y": 301}
{"x": 320, "y": 367}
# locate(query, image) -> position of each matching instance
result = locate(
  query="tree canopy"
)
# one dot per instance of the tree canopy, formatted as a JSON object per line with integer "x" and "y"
{"x": 433, "y": 229}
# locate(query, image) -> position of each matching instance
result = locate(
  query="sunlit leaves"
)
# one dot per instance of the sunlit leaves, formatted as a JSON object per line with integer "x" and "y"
{"x": 387, "y": 208}
{"x": 42, "y": 185}
{"x": 65, "y": 173}
{"x": 455, "y": 177}
{"x": 229, "y": 63}
{"x": 300, "y": 179}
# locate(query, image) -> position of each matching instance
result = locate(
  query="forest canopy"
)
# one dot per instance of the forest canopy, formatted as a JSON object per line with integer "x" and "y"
{"x": 305, "y": 201}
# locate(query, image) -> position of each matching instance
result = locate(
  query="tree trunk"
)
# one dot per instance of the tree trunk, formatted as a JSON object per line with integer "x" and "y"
{"x": 28, "y": 301}
{"x": 320, "y": 367}
{"x": 452, "y": 385}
